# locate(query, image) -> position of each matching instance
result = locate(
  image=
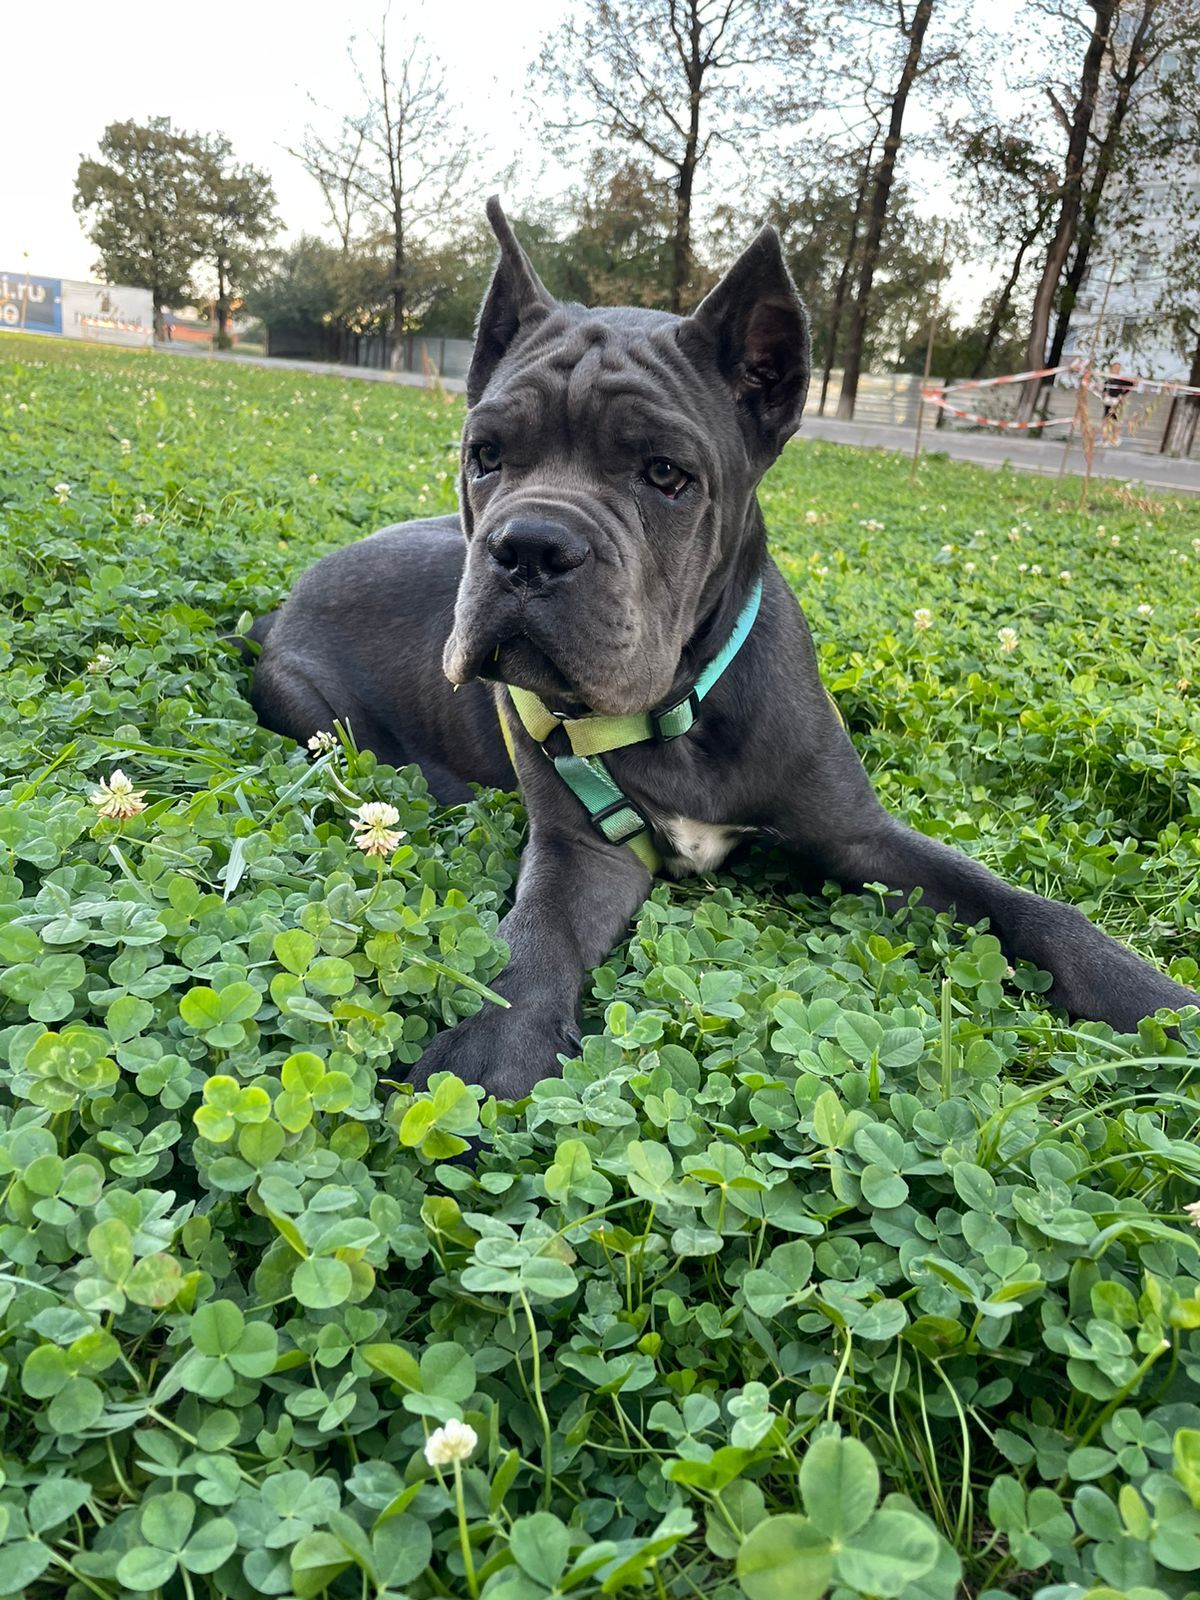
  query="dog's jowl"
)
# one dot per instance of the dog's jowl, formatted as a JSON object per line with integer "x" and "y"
{"x": 608, "y": 591}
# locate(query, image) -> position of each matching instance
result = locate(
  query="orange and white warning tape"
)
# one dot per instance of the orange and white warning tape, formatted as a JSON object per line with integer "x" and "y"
{"x": 1097, "y": 379}
{"x": 935, "y": 397}
{"x": 1013, "y": 377}
{"x": 1077, "y": 374}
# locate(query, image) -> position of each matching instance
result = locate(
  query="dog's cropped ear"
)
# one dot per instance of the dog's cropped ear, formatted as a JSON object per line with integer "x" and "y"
{"x": 754, "y": 325}
{"x": 517, "y": 296}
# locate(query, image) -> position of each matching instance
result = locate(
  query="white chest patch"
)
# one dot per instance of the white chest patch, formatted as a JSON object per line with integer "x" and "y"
{"x": 697, "y": 846}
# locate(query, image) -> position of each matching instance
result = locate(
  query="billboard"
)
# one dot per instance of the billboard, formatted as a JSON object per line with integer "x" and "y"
{"x": 34, "y": 304}
{"x": 109, "y": 313}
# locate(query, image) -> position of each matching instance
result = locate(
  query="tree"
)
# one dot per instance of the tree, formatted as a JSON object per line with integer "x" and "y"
{"x": 912, "y": 29}
{"x": 671, "y": 79}
{"x": 1141, "y": 130}
{"x": 620, "y": 249}
{"x": 143, "y": 203}
{"x": 817, "y": 203}
{"x": 239, "y": 212}
{"x": 1010, "y": 192}
{"x": 1078, "y": 127}
{"x": 312, "y": 285}
{"x": 392, "y": 169}
{"x": 1179, "y": 306}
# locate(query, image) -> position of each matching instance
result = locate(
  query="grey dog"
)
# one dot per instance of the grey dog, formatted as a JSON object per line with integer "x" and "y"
{"x": 612, "y": 538}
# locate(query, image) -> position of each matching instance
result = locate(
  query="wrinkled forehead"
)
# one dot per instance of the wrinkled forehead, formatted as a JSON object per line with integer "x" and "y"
{"x": 611, "y": 377}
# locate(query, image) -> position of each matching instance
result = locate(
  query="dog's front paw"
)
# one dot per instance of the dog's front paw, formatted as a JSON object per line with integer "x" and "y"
{"x": 505, "y": 1051}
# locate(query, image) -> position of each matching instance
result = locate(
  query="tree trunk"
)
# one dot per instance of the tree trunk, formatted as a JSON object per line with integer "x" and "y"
{"x": 1180, "y": 432}
{"x": 1005, "y": 296}
{"x": 222, "y": 299}
{"x": 877, "y": 216}
{"x": 1126, "y": 83}
{"x": 1072, "y": 188}
{"x": 843, "y": 282}
{"x": 399, "y": 286}
{"x": 681, "y": 251}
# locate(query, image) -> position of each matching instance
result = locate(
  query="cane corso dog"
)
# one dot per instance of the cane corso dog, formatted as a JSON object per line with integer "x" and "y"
{"x": 609, "y": 550}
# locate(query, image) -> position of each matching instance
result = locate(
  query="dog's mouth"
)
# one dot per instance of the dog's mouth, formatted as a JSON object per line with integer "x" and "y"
{"x": 524, "y": 665}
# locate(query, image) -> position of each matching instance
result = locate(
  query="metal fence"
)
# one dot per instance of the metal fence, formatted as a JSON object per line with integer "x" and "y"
{"x": 1138, "y": 423}
{"x": 891, "y": 398}
{"x": 430, "y": 355}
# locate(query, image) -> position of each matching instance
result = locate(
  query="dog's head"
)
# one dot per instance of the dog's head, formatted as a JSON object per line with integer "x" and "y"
{"x": 609, "y": 464}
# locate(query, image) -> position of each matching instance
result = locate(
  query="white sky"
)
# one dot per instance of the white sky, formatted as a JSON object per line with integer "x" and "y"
{"x": 137, "y": 58}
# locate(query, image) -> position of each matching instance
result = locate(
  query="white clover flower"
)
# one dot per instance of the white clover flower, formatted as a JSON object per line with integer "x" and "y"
{"x": 1014, "y": 535}
{"x": 812, "y": 516}
{"x": 454, "y": 1441}
{"x": 1008, "y": 640}
{"x": 1065, "y": 576}
{"x": 117, "y": 798}
{"x": 968, "y": 566}
{"x": 1183, "y": 685}
{"x": 62, "y": 493}
{"x": 126, "y": 447}
{"x": 1192, "y": 1213}
{"x": 1115, "y": 540}
{"x": 100, "y": 664}
{"x": 374, "y": 827}
{"x": 922, "y": 619}
{"x": 1022, "y": 566}
{"x": 1196, "y": 546}
{"x": 947, "y": 549}
{"x": 312, "y": 478}
{"x": 143, "y": 519}
{"x": 322, "y": 743}
{"x": 22, "y": 406}
{"x": 821, "y": 572}
{"x": 1100, "y": 528}
{"x": 1035, "y": 570}
{"x": 1144, "y": 610}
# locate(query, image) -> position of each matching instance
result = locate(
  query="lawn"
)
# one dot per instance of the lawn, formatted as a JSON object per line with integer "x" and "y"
{"x": 840, "y": 1262}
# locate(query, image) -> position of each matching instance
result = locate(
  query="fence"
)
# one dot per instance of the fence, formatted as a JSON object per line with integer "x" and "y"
{"x": 429, "y": 354}
{"x": 891, "y": 398}
{"x": 1139, "y": 422}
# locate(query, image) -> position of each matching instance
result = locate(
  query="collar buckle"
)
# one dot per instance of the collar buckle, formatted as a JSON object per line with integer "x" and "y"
{"x": 676, "y": 719}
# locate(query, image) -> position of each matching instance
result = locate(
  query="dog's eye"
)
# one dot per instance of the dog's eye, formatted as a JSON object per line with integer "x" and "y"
{"x": 665, "y": 475}
{"x": 487, "y": 458}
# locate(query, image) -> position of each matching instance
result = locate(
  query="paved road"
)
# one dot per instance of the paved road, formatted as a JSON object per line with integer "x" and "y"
{"x": 1160, "y": 474}
{"x": 322, "y": 369}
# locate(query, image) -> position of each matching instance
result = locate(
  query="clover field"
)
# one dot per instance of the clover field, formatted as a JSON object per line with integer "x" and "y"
{"x": 840, "y": 1262}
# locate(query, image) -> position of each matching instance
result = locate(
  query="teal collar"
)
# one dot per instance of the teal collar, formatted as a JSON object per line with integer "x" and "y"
{"x": 611, "y": 812}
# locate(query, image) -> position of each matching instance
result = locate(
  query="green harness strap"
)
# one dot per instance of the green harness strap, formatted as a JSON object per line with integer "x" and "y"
{"x": 609, "y": 808}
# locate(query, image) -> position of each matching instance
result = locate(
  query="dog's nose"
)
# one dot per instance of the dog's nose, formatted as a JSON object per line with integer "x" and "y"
{"x": 532, "y": 550}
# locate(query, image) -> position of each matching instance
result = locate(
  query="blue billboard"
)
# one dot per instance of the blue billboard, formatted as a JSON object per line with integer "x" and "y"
{"x": 29, "y": 303}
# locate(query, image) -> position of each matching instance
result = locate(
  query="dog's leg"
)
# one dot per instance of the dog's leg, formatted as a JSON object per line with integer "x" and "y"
{"x": 1094, "y": 975}
{"x": 575, "y": 897}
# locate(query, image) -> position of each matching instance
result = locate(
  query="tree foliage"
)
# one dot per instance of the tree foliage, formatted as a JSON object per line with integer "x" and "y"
{"x": 238, "y": 208}
{"x": 672, "y": 80}
{"x": 158, "y": 201}
{"x": 391, "y": 169}
{"x": 143, "y": 205}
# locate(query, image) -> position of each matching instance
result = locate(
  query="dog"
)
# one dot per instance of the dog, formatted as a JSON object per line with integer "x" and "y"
{"x": 609, "y": 571}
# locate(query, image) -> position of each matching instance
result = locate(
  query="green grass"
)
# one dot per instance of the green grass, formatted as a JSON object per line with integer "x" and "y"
{"x": 839, "y": 1262}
